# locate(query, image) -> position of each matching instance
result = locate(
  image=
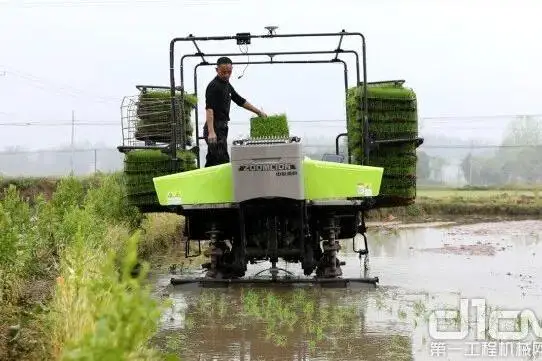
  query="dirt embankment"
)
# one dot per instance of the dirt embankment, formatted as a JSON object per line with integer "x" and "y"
{"x": 30, "y": 188}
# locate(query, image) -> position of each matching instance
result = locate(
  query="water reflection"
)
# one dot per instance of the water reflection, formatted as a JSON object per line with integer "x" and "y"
{"x": 278, "y": 324}
{"x": 386, "y": 323}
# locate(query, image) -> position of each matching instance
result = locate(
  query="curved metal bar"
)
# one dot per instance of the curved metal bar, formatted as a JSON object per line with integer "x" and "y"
{"x": 191, "y": 38}
{"x": 345, "y": 66}
{"x": 271, "y": 269}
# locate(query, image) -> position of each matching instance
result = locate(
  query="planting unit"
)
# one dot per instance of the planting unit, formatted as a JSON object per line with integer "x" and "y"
{"x": 270, "y": 202}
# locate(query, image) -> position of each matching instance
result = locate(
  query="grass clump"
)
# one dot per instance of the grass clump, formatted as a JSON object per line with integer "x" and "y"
{"x": 392, "y": 113}
{"x": 155, "y": 115}
{"x": 270, "y": 126}
{"x": 99, "y": 311}
{"x": 67, "y": 290}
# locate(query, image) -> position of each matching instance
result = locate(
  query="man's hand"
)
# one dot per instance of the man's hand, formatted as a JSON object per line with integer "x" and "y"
{"x": 255, "y": 110}
{"x": 212, "y": 137}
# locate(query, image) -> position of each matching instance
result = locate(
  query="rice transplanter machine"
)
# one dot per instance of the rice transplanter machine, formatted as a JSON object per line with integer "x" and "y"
{"x": 270, "y": 202}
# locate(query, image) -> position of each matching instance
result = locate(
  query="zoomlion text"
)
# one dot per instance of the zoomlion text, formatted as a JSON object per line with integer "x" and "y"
{"x": 281, "y": 169}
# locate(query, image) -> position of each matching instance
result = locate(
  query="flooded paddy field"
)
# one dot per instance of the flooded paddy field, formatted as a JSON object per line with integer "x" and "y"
{"x": 421, "y": 268}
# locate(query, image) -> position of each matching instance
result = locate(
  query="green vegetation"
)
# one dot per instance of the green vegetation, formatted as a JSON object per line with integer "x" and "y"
{"x": 490, "y": 202}
{"x": 154, "y": 113}
{"x": 140, "y": 166}
{"x": 393, "y": 114}
{"x": 478, "y": 203}
{"x": 271, "y": 126}
{"x": 68, "y": 290}
{"x": 478, "y": 194}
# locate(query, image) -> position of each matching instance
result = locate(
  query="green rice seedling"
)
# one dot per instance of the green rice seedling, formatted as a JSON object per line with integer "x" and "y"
{"x": 152, "y": 160}
{"x": 392, "y": 114}
{"x": 395, "y": 165}
{"x": 155, "y": 115}
{"x": 390, "y": 130}
{"x": 271, "y": 126}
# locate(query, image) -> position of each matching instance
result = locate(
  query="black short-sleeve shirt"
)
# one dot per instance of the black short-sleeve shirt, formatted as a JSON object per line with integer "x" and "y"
{"x": 218, "y": 97}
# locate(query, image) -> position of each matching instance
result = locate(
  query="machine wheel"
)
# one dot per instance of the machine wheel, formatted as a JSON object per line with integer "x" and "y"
{"x": 313, "y": 253}
{"x": 329, "y": 265}
{"x": 225, "y": 263}
{"x": 309, "y": 263}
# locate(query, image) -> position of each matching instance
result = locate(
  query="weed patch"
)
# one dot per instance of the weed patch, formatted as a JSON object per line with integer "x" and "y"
{"x": 67, "y": 286}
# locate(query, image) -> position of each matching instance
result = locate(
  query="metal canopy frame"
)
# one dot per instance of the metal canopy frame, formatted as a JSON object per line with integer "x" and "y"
{"x": 245, "y": 39}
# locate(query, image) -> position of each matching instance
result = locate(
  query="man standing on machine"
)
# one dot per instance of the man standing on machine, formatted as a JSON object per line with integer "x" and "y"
{"x": 218, "y": 97}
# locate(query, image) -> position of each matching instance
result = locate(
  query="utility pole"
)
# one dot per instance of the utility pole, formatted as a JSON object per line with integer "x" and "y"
{"x": 72, "y": 140}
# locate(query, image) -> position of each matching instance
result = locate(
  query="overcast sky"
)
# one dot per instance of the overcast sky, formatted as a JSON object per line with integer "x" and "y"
{"x": 463, "y": 58}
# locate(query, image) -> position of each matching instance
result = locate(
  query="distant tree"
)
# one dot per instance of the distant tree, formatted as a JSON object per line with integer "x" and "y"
{"x": 520, "y": 152}
{"x": 423, "y": 166}
{"x": 437, "y": 165}
{"x": 526, "y": 130}
{"x": 466, "y": 167}
{"x": 517, "y": 160}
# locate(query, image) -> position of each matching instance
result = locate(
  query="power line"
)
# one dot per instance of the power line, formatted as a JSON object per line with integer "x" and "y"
{"x": 435, "y": 121}
{"x": 57, "y": 88}
{"x": 494, "y": 116}
{"x": 340, "y": 122}
{"x": 317, "y": 146}
{"x": 98, "y": 3}
{"x": 481, "y": 146}
{"x": 30, "y": 124}
{"x": 90, "y": 123}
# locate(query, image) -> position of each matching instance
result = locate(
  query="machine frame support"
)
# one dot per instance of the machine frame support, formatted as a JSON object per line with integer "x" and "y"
{"x": 245, "y": 39}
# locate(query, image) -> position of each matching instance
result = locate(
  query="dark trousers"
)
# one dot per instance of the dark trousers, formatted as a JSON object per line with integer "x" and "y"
{"x": 217, "y": 152}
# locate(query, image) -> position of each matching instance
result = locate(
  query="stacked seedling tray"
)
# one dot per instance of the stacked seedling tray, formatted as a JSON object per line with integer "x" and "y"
{"x": 392, "y": 111}
{"x": 141, "y": 166}
{"x": 154, "y": 116}
{"x": 153, "y": 124}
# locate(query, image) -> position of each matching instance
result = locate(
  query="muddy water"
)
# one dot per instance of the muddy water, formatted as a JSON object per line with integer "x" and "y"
{"x": 420, "y": 269}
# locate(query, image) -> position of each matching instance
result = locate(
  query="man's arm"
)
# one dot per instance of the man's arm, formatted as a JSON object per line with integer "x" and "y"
{"x": 242, "y": 102}
{"x": 253, "y": 109}
{"x": 210, "y": 101}
{"x": 209, "y": 120}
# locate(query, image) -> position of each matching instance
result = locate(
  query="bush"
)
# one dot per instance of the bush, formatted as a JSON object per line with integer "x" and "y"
{"x": 85, "y": 239}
